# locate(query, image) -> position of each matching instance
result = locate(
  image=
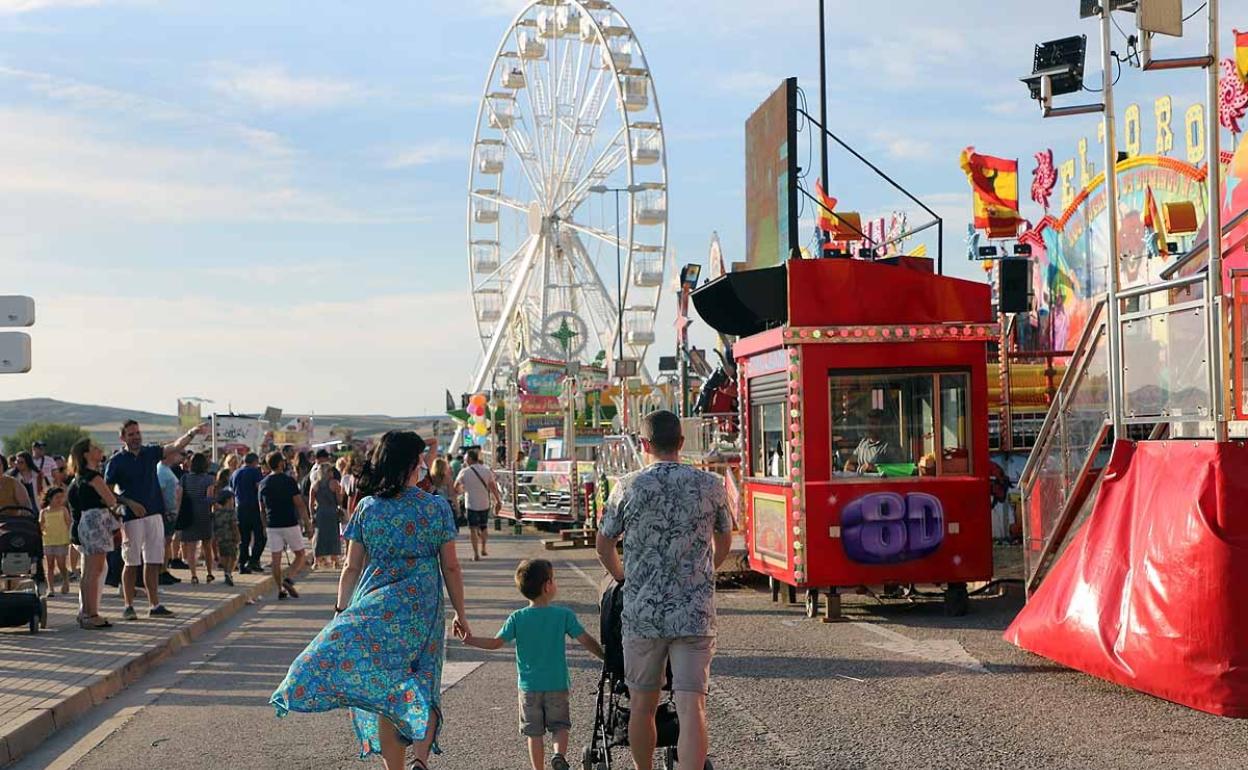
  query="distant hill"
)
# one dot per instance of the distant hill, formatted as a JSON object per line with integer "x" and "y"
{"x": 103, "y": 421}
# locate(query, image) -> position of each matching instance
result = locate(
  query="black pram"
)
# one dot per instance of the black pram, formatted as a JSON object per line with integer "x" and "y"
{"x": 21, "y": 570}
{"x": 611, "y": 712}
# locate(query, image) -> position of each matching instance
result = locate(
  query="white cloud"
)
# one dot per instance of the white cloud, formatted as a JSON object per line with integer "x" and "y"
{"x": 401, "y": 351}
{"x": 439, "y": 151}
{"x": 271, "y": 87}
{"x": 63, "y": 168}
{"x": 904, "y": 146}
{"x": 98, "y": 100}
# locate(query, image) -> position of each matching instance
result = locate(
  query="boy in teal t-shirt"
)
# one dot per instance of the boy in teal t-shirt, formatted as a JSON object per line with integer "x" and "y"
{"x": 539, "y": 632}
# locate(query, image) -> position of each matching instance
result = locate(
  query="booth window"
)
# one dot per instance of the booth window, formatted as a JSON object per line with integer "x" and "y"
{"x": 900, "y": 424}
{"x": 767, "y": 426}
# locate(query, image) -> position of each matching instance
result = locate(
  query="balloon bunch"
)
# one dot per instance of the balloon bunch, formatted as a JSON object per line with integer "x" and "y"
{"x": 478, "y": 422}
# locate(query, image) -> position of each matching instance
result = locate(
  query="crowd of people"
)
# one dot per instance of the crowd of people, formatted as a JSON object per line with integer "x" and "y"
{"x": 127, "y": 520}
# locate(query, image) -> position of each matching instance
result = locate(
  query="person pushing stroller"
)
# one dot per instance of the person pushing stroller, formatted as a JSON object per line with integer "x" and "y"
{"x": 539, "y": 632}
{"x": 677, "y": 530}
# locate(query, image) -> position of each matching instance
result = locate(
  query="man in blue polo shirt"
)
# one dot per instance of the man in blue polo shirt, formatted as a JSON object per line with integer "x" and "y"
{"x": 133, "y": 473}
{"x": 246, "y": 485}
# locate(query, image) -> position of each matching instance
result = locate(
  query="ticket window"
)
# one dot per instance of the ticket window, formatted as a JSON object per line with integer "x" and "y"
{"x": 900, "y": 424}
{"x": 769, "y": 409}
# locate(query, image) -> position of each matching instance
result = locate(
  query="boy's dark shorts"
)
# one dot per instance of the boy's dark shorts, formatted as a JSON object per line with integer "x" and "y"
{"x": 544, "y": 712}
{"x": 478, "y": 519}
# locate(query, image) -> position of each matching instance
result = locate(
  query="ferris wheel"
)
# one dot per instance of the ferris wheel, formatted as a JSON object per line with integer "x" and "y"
{"x": 569, "y": 126}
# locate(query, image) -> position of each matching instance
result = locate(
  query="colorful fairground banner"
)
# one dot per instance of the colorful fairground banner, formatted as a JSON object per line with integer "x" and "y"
{"x": 1161, "y": 197}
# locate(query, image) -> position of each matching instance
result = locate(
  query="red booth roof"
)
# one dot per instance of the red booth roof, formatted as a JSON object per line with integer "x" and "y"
{"x": 835, "y": 292}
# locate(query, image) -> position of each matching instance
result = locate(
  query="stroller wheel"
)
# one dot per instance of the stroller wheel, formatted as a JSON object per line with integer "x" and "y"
{"x": 670, "y": 758}
{"x": 34, "y": 624}
{"x": 43, "y": 613}
{"x": 587, "y": 758}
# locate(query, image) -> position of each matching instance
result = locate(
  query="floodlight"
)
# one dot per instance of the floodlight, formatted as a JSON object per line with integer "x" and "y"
{"x": 689, "y": 275}
{"x": 1061, "y": 63}
{"x": 667, "y": 364}
{"x": 1022, "y": 249}
{"x": 987, "y": 252}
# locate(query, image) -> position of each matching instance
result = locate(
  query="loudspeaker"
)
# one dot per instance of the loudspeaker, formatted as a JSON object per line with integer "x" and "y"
{"x": 1014, "y": 287}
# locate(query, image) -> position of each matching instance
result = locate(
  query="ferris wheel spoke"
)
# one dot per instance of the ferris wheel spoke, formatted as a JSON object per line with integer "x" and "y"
{"x": 613, "y": 156}
{"x": 501, "y": 200}
{"x": 593, "y": 232}
{"x": 589, "y": 118}
{"x": 597, "y": 290}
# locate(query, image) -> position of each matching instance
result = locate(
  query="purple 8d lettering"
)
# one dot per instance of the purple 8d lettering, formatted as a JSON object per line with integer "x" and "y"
{"x": 885, "y": 528}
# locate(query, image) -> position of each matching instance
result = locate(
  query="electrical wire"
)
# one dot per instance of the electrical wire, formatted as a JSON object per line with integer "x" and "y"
{"x": 1116, "y": 77}
{"x": 1193, "y": 13}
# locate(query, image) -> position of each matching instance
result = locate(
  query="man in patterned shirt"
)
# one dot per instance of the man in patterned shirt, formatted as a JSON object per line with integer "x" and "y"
{"x": 677, "y": 529}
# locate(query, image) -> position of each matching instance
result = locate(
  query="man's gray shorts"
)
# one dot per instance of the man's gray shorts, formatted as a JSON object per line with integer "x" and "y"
{"x": 645, "y": 663}
{"x": 544, "y": 712}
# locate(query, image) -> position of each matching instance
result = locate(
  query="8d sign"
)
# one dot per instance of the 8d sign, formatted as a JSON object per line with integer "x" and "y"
{"x": 888, "y": 528}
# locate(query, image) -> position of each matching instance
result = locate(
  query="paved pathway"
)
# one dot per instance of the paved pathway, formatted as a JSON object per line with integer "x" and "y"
{"x": 49, "y": 679}
{"x": 900, "y": 687}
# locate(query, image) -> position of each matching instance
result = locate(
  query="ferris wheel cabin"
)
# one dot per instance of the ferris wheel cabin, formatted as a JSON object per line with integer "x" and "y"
{"x": 863, "y": 392}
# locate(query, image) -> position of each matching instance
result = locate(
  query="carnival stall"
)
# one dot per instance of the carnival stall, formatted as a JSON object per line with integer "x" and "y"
{"x": 865, "y": 432}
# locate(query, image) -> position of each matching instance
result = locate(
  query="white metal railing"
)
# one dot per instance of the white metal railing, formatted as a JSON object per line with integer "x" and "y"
{"x": 1070, "y": 438}
{"x": 619, "y": 455}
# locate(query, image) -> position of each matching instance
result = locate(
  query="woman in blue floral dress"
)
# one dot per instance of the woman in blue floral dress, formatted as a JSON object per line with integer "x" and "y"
{"x": 381, "y": 656}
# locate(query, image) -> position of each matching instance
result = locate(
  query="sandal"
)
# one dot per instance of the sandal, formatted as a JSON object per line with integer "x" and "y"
{"x": 210, "y": 578}
{"x": 418, "y": 764}
{"x": 194, "y": 580}
{"x": 93, "y": 622}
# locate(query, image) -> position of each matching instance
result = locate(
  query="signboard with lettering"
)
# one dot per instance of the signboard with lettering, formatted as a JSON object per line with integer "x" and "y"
{"x": 232, "y": 432}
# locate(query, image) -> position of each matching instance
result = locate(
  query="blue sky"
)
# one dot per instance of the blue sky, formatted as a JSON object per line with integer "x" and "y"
{"x": 263, "y": 203}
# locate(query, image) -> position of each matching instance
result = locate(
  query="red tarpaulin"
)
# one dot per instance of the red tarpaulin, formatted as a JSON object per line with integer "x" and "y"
{"x": 1150, "y": 593}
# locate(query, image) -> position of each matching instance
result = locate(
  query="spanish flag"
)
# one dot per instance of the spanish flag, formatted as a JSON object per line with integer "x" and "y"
{"x": 1241, "y": 53}
{"x": 1154, "y": 222}
{"x": 994, "y": 182}
{"x": 825, "y": 220}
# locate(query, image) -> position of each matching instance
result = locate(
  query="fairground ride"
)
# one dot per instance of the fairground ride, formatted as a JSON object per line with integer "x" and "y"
{"x": 567, "y": 192}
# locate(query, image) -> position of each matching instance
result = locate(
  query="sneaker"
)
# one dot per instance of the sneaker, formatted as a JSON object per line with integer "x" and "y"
{"x": 283, "y": 595}
{"x": 159, "y": 611}
{"x": 129, "y": 614}
{"x": 557, "y": 762}
{"x": 167, "y": 579}
{"x": 229, "y": 580}
{"x": 178, "y": 564}
{"x": 290, "y": 588}
{"x": 244, "y": 570}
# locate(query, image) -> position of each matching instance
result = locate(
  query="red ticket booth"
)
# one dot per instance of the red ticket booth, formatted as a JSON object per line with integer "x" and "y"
{"x": 864, "y": 393}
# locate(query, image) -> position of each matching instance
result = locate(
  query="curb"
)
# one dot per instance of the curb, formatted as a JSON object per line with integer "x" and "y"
{"x": 28, "y": 732}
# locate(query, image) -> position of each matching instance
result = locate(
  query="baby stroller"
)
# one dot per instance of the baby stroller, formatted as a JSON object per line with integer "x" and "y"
{"x": 21, "y": 570}
{"x": 611, "y": 712}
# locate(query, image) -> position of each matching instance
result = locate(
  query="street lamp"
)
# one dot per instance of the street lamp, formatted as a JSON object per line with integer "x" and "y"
{"x": 599, "y": 189}
{"x": 689, "y": 275}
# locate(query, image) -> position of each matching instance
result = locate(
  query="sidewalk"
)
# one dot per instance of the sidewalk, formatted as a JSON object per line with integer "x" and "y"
{"x": 49, "y": 679}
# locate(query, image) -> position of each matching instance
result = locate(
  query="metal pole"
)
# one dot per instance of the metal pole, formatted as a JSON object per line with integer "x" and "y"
{"x": 823, "y": 93}
{"x": 683, "y": 299}
{"x": 619, "y": 321}
{"x": 1111, "y": 191}
{"x": 1213, "y": 291}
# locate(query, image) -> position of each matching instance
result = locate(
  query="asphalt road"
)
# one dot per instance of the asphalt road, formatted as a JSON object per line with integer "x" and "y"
{"x": 899, "y": 686}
